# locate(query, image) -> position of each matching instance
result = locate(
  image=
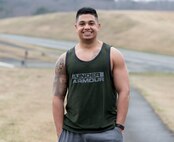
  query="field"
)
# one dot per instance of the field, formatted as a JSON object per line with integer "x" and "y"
{"x": 16, "y": 51}
{"x": 25, "y": 105}
{"x": 142, "y": 30}
{"x": 25, "y": 102}
{"x": 25, "y": 94}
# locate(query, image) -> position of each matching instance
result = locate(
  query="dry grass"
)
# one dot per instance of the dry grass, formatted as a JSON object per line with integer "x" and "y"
{"x": 35, "y": 53}
{"x": 25, "y": 102}
{"x": 158, "y": 90}
{"x": 25, "y": 94}
{"x": 25, "y": 105}
{"x": 138, "y": 30}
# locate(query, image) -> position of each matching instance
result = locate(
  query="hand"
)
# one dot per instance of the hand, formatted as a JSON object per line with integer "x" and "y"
{"x": 122, "y": 131}
{"x": 59, "y": 133}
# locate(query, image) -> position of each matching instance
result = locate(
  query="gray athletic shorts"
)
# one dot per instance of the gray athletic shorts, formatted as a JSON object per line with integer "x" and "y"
{"x": 113, "y": 135}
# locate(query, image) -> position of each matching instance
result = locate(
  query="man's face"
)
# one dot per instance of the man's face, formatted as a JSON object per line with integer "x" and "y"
{"x": 87, "y": 27}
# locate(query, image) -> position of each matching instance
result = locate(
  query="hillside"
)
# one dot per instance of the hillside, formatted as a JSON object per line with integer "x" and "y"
{"x": 15, "y": 8}
{"x": 143, "y": 31}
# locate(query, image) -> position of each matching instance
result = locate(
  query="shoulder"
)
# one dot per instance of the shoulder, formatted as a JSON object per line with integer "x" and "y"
{"x": 113, "y": 50}
{"x": 61, "y": 58}
{"x": 117, "y": 57}
{"x": 60, "y": 63}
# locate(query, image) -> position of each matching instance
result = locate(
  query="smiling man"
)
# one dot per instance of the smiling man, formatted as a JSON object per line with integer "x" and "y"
{"x": 94, "y": 76}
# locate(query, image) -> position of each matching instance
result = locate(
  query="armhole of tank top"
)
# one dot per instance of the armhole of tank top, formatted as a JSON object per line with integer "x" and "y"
{"x": 66, "y": 65}
{"x": 109, "y": 61}
{"x": 66, "y": 61}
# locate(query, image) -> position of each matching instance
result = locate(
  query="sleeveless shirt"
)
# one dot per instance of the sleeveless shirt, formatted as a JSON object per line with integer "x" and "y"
{"x": 91, "y": 98}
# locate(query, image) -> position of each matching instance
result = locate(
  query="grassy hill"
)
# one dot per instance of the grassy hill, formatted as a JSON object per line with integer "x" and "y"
{"x": 15, "y": 8}
{"x": 26, "y": 92}
{"x": 142, "y": 30}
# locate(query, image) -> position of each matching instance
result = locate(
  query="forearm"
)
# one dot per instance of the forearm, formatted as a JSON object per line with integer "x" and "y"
{"x": 122, "y": 107}
{"x": 59, "y": 93}
{"x": 58, "y": 114}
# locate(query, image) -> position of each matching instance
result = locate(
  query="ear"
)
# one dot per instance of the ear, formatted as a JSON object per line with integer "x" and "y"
{"x": 75, "y": 25}
{"x": 99, "y": 25}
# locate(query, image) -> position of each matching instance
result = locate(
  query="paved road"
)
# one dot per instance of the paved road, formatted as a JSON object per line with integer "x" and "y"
{"x": 143, "y": 125}
{"x": 141, "y": 62}
{"x": 40, "y": 41}
{"x": 136, "y": 61}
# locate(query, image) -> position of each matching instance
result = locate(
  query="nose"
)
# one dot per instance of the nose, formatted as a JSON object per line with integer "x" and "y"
{"x": 87, "y": 26}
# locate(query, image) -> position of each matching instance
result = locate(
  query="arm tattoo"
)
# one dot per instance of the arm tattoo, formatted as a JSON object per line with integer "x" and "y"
{"x": 60, "y": 67}
{"x": 60, "y": 79}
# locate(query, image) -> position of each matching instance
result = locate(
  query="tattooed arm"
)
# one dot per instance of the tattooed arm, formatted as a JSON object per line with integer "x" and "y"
{"x": 59, "y": 91}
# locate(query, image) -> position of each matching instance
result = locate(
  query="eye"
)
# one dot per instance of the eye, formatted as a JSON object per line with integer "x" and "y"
{"x": 91, "y": 23}
{"x": 81, "y": 23}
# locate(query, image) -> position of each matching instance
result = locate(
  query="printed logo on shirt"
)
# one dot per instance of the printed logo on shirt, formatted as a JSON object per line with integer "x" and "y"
{"x": 88, "y": 77}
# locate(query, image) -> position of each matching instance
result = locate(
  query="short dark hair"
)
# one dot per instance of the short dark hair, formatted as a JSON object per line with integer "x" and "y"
{"x": 87, "y": 10}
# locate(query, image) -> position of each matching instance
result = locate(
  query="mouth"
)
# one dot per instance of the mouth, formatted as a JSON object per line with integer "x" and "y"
{"x": 87, "y": 33}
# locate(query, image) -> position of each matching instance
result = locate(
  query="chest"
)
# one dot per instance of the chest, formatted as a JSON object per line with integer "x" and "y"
{"x": 87, "y": 55}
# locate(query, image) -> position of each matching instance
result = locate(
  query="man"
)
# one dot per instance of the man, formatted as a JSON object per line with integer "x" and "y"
{"x": 95, "y": 78}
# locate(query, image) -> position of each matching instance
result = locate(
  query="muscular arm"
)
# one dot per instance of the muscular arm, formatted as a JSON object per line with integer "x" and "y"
{"x": 59, "y": 92}
{"x": 121, "y": 82}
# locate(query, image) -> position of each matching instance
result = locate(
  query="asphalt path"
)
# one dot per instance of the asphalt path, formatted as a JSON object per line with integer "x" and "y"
{"x": 136, "y": 61}
{"x": 142, "y": 125}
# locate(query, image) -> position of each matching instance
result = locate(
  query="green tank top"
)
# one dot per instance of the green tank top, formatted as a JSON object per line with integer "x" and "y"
{"x": 91, "y": 98}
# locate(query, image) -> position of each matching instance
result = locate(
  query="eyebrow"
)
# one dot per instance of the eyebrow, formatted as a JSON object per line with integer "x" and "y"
{"x": 86, "y": 21}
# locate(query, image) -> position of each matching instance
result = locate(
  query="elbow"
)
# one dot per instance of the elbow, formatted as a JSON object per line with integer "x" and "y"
{"x": 57, "y": 100}
{"x": 54, "y": 101}
{"x": 128, "y": 93}
{"x": 125, "y": 92}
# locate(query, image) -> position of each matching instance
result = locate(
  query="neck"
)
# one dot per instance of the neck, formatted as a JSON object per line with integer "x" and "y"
{"x": 89, "y": 44}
